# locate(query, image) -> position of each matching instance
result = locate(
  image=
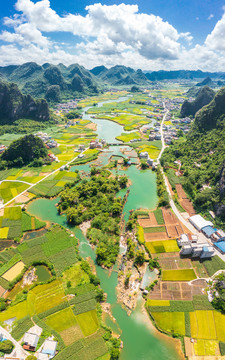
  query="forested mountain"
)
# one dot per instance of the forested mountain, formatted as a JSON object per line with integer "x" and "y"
{"x": 202, "y": 157}
{"x": 120, "y": 75}
{"x": 52, "y": 82}
{"x": 181, "y": 74}
{"x": 207, "y": 81}
{"x": 14, "y": 105}
{"x": 204, "y": 97}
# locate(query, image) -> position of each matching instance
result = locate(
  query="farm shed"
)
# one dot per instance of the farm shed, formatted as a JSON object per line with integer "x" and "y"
{"x": 199, "y": 222}
{"x": 208, "y": 231}
{"x": 30, "y": 341}
{"x": 49, "y": 348}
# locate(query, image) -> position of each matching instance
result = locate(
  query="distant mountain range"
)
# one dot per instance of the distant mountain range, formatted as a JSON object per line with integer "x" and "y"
{"x": 56, "y": 83}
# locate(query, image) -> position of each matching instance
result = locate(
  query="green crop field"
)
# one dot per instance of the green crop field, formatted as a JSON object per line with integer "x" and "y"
{"x": 164, "y": 246}
{"x": 172, "y": 322}
{"x": 178, "y": 275}
{"x": 21, "y": 327}
{"x": 154, "y": 229}
{"x": 88, "y": 322}
{"x": 159, "y": 216}
{"x": 128, "y": 137}
{"x": 61, "y": 320}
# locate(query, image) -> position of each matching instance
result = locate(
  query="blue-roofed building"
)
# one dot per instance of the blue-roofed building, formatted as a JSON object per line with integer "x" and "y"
{"x": 220, "y": 245}
{"x": 208, "y": 231}
{"x": 49, "y": 348}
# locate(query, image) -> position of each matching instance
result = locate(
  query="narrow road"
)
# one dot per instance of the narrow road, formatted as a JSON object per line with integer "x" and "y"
{"x": 18, "y": 352}
{"x": 20, "y": 181}
{"x": 162, "y": 138}
{"x": 38, "y": 182}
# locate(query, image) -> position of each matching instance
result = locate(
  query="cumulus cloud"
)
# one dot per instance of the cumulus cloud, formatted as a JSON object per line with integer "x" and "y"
{"x": 109, "y": 35}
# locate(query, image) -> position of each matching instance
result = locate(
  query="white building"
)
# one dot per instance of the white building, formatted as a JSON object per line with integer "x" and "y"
{"x": 199, "y": 222}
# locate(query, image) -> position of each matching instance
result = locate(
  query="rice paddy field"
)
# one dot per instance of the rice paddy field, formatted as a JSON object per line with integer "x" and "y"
{"x": 14, "y": 221}
{"x": 165, "y": 246}
{"x": 179, "y": 275}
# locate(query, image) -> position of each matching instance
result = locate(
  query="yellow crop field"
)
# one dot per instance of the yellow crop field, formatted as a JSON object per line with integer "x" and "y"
{"x": 172, "y": 322}
{"x": 158, "y": 302}
{"x": 203, "y": 325}
{"x": 88, "y": 322}
{"x": 4, "y": 232}
{"x": 14, "y": 271}
{"x": 220, "y": 325}
{"x": 206, "y": 348}
{"x": 18, "y": 311}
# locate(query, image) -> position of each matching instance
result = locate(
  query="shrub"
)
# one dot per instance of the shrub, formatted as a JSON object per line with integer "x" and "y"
{"x": 6, "y": 346}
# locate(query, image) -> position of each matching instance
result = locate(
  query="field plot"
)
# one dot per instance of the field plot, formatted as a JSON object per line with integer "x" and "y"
{"x": 167, "y": 262}
{"x": 18, "y": 311}
{"x": 206, "y": 348}
{"x": 88, "y": 322}
{"x": 64, "y": 322}
{"x": 8, "y": 190}
{"x": 178, "y": 275}
{"x": 172, "y": 322}
{"x": 165, "y": 246}
{"x": 155, "y": 236}
{"x": 203, "y": 325}
{"x": 176, "y": 290}
{"x": 54, "y": 183}
{"x": 47, "y": 296}
{"x": 14, "y": 271}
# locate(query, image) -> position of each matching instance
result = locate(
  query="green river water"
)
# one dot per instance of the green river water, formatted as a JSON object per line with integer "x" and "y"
{"x": 139, "y": 340}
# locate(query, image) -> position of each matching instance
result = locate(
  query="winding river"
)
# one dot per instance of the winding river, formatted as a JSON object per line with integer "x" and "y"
{"x": 140, "y": 340}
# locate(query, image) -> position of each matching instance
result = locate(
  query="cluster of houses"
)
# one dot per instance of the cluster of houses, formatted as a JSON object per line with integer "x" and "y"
{"x": 2, "y": 148}
{"x": 72, "y": 123}
{"x": 97, "y": 144}
{"x": 47, "y": 140}
{"x": 46, "y": 351}
{"x": 66, "y": 107}
{"x": 190, "y": 244}
{"x": 144, "y": 155}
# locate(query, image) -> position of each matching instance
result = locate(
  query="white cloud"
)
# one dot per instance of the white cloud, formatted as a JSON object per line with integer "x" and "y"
{"x": 109, "y": 35}
{"x": 211, "y": 16}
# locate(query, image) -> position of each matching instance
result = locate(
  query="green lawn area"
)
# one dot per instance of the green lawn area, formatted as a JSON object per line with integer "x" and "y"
{"x": 76, "y": 275}
{"x": 178, "y": 275}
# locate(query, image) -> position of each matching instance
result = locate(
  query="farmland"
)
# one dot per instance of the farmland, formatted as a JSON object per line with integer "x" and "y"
{"x": 178, "y": 275}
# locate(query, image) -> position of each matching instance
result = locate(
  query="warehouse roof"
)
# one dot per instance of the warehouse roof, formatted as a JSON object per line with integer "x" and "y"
{"x": 199, "y": 222}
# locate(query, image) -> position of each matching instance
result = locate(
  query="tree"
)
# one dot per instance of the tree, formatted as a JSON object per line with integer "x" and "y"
{"x": 114, "y": 354}
{"x": 139, "y": 258}
{"x": 6, "y": 346}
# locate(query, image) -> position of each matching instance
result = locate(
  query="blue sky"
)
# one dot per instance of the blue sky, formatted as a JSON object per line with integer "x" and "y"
{"x": 147, "y": 34}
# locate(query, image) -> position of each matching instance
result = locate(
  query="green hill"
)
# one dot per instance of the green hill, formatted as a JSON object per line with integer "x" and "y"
{"x": 14, "y": 105}
{"x": 202, "y": 158}
{"x": 37, "y": 80}
{"x": 205, "y": 95}
{"x": 24, "y": 151}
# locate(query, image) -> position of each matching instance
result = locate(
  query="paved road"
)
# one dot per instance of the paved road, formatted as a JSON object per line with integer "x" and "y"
{"x": 38, "y": 182}
{"x": 20, "y": 181}
{"x": 162, "y": 138}
{"x": 18, "y": 352}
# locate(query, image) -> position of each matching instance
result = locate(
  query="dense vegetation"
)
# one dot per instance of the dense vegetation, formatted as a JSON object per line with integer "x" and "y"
{"x": 204, "y": 97}
{"x": 219, "y": 301}
{"x": 202, "y": 158}
{"x": 95, "y": 200}
{"x": 26, "y": 150}
{"x": 14, "y": 105}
